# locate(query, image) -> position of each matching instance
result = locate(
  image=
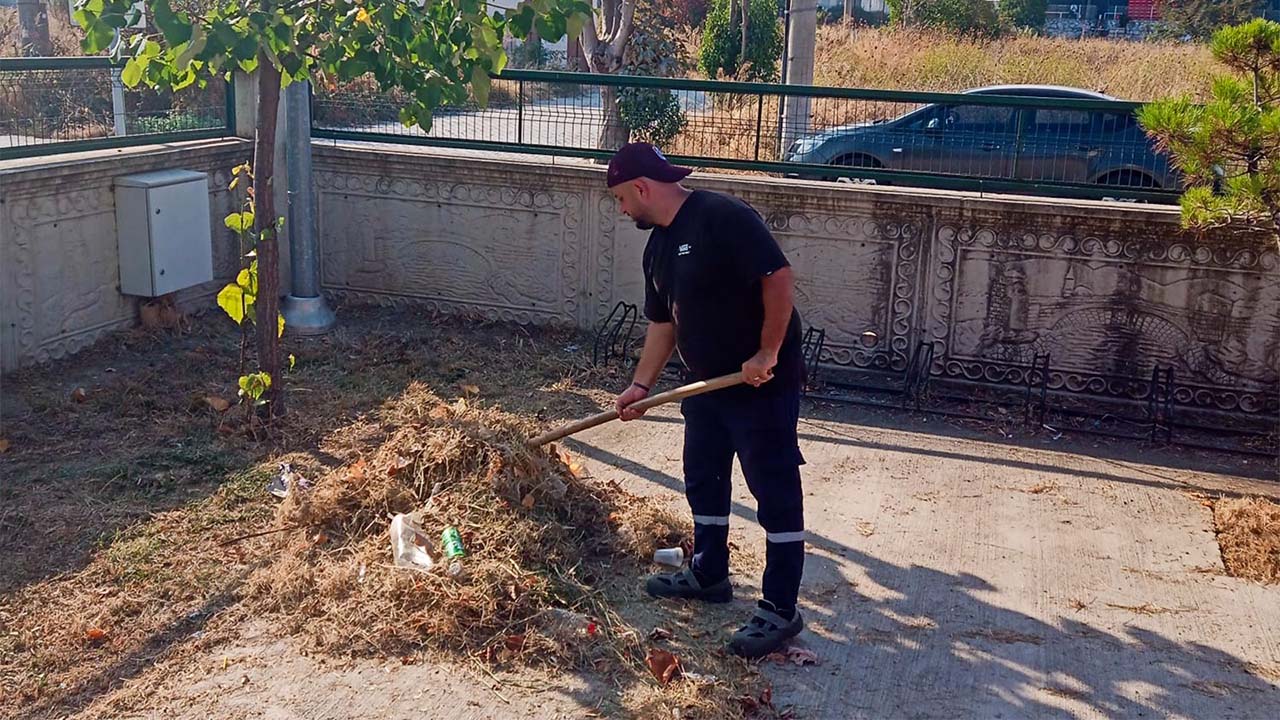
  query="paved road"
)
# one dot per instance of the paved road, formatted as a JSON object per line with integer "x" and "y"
{"x": 955, "y": 578}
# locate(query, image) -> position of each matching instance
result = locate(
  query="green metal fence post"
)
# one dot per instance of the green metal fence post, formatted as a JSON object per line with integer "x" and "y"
{"x": 759, "y": 121}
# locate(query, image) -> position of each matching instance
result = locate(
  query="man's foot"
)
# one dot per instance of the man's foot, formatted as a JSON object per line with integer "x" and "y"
{"x": 685, "y": 585}
{"x": 765, "y": 632}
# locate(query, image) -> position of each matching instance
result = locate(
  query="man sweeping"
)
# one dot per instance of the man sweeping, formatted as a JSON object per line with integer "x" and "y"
{"x": 719, "y": 290}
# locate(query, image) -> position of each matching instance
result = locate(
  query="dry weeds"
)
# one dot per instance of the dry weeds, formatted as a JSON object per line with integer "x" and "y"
{"x": 117, "y": 512}
{"x": 1248, "y": 532}
{"x": 912, "y": 59}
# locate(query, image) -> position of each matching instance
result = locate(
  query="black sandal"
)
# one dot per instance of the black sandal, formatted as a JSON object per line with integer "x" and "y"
{"x": 684, "y": 584}
{"x": 765, "y": 633}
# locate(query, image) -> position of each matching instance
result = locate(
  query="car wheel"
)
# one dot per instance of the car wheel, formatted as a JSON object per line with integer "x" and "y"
{"x": 1128, "y": 179}
{"x": 860, "y": 161}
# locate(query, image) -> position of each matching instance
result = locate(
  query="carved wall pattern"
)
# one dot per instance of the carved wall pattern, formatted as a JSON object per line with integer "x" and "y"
{"x": 1108, "y": 311}
{"x": 62, "y": 273}
{"x": 468, "y": 245}
{"x": 855, "y": 274}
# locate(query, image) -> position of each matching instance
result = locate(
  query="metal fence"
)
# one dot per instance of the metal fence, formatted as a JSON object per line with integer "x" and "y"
{"x": 1006, "y": 140}
{"x": 68, "y": 104}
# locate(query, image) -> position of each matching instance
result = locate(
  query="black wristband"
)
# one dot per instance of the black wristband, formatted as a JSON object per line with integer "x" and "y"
{"x": 642, "y": 387}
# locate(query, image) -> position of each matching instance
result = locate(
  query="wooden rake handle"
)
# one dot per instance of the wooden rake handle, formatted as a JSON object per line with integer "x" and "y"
{"x": 680, "y": 393}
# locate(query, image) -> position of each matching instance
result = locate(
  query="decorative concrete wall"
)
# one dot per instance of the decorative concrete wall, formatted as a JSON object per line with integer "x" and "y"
{"x": 1109, "y": 290}
{"x": 59, "y": 267}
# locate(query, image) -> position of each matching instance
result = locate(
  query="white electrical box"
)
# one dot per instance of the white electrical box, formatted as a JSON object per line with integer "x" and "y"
{"x": 163, "y": 229}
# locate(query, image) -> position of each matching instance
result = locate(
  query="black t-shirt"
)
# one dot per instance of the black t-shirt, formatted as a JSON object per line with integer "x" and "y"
{"x": 703, "y": 272}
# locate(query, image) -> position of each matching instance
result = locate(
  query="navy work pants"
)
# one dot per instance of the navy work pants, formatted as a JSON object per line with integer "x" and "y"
{"x": 759, "y": 426}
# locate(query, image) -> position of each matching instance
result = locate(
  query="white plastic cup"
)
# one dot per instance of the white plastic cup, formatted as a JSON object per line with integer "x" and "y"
{"x": 670, "y": 556}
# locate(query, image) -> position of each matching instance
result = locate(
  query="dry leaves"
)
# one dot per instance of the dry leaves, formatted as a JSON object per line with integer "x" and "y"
{"x": 95, "y": 636}
{"x": 79, "y": 395}
{"x": 217, "y": 403}
{"x": 664, "y": 666}
{"x": 795, "y": 655}
{"x": 866, "y": 529}
{"x": 4, "y": 445}
{"x": 399, "y": 465}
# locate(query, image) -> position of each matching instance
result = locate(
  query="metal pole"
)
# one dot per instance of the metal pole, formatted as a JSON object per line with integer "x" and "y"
{"x": 305, "y": 311}
{"x": 117, "y": 95}
{"x": 786, "y": 50}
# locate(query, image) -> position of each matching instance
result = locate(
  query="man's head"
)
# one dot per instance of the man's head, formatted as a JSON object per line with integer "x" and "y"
{"x": 645, "y": 184}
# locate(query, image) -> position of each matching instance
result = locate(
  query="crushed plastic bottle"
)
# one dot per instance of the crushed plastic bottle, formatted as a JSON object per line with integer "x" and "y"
{"x": 410, "y": 547}
{"x": 569, "y": 626}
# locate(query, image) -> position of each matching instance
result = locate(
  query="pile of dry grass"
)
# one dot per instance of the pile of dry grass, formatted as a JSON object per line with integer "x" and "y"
{"x": 536, "y": 535}
{"x": 1249, "y": 535}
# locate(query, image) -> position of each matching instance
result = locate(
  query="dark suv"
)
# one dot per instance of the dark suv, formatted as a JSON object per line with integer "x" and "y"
{"x": 1060, "y": 145}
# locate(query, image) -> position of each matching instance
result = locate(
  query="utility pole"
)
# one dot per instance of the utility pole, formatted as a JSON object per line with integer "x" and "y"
{"x": 799, "y": 70}
{"x": 33, "y": 29}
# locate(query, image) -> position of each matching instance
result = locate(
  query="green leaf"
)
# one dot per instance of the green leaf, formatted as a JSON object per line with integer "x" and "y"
{"x": 480, "y": 84}
{"x": 240, "y": 222}
{"x": 279, "y": 325}
{"x": 232, "y": 301}
{"x": 176, "y": 27}
{"x": 253, "y": 386}
{"x": 292, "y": 361}
{"x": 574, "y": 24}
{"x": 199, "y": 40}
{"x": 132, "y": 73}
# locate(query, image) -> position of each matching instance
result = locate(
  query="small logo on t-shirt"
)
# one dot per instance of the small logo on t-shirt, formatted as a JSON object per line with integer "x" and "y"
{"x": 684, "y": 249}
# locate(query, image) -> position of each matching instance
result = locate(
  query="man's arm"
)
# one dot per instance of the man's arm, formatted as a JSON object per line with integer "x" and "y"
{"x": 659, "y": 342}
{"x": 778, "y": 290}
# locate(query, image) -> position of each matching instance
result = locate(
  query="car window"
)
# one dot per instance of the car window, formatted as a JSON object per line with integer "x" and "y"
{"x": 1124, "y": 124}
{"x": 1059, "y": 122}
{"x": 980, "y": 118}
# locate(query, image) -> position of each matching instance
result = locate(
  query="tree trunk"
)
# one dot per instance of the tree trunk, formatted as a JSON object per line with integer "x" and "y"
{"x": 615, "y": 133}
{"x": 849, "y": 6}
{"x": 268, "y": 301}
{"x": 33, "y": 29}
{"x": 746, "y": 24}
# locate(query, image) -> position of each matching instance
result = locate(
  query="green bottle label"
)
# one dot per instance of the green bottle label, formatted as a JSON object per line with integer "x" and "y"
{"x": 452, "y": 543}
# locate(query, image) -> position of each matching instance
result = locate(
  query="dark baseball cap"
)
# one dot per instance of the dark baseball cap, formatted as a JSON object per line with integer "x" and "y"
{"x": 643, "y": 160}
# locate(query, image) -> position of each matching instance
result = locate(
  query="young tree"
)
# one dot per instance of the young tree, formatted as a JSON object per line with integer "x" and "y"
{"x": 652, "y": 114}
{"x": 1199, "y": 19}
{"x": 1023, "y": 14}
{"x": 967, "y": 17}
{"x": 744, "y": 50}
{"x": 437, "y": 51}
{"x": 1229, "y": 148}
